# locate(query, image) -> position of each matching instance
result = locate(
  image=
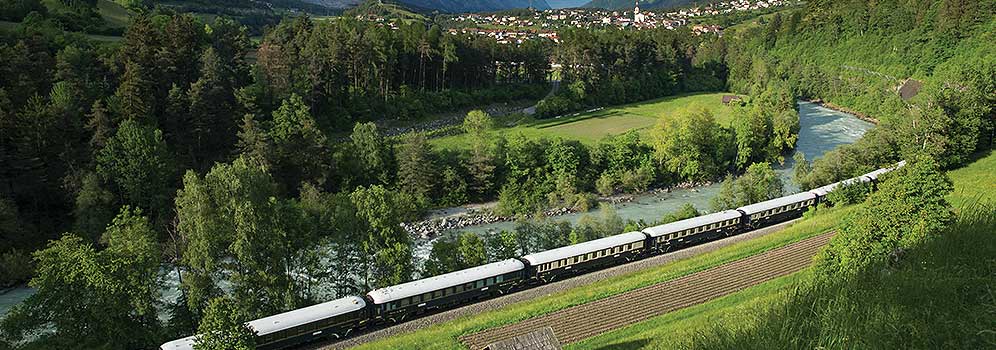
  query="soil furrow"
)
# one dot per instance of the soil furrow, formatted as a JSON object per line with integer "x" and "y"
{"x": 583, "y": 321}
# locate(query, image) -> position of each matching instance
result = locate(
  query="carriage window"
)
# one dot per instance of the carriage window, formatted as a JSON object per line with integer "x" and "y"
{"x": 437, "y": 294}
{"x": 480, "y": 284}
{"x": 490, "y": 281}
{"x": 500, "y": 278}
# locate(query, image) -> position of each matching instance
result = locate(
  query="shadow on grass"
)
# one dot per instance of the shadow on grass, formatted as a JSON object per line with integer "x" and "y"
{"x": 629, "y": 345}
{"x": 610, "y": 111}
{"x": 549, "y": 123}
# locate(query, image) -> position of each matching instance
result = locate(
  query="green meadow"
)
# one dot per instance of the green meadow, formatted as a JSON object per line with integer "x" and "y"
{"x": 593, "y": 126}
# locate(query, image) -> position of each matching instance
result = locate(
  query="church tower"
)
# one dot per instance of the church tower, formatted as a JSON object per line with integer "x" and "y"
{"x": 637, "y": 16}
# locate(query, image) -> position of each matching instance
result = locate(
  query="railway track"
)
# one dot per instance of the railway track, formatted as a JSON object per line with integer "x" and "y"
{"x": 577, "y": 323}
{"x": 540, "y": 291}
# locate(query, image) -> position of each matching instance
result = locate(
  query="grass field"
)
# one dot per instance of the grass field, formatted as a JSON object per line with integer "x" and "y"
{"x": 444, "y": 336}
{"x": 591, "y": 127}
{"x": 676, "y": 329}
{"x": 115, "y": 15}
{"x": 974, "y": 183}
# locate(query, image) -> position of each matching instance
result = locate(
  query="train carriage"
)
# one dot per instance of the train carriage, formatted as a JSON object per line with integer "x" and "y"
{"x": 777, "y": 210}
{"x": 403, "y": 301}
{"x": 679, "y": 234}
{"x": 822, "y": 192}
{"x": 571, "y": 260}
{"x": 334, "y": 319}
{"x": 874, "y": 175}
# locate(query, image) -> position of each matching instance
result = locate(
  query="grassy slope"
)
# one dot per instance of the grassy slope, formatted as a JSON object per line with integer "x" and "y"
{"x": 444, "y": 336}
{"x": 676, "y": 329}
{"x": 590, "y": 127}
{"x": 973, "y": 183}
{"x": 115, "y": 15}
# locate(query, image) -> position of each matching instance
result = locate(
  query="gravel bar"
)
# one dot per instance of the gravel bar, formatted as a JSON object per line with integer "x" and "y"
{"x": 544, "y": 290}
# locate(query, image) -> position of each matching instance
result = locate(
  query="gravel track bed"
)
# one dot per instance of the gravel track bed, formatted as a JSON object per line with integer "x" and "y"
{"x": 576, "y": 323}
{"x": 543, "y": 290}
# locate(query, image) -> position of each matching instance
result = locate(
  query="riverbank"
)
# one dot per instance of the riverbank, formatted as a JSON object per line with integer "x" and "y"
{"x": 831, "y": 106}
{"x": 455, "y": 218}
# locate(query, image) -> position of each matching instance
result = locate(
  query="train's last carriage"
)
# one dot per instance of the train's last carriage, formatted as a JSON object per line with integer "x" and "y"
{"x": 678, "y": 234}
{"x": 334, "y": 319}
{"x": 778, "y": 209}
{"x": 403, "y": 301}
{"x": 570, "y": 260}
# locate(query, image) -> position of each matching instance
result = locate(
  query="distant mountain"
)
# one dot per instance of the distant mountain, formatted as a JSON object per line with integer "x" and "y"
{"x": 474, "y": 5}
{"x": 335, "y": 4}
{"x": 644, "y": 4}
{"x": 559, "y": 4}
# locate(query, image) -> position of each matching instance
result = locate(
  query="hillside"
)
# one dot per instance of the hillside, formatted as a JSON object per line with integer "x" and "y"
{"x": 645, "y": 4}
{"x": 475, "y": 5}
{"x": 558, "y": 4}
{"x": 384, "y": 9}
{"x": 336, "y": 4}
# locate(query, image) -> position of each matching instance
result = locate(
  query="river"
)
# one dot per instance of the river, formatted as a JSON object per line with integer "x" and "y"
{"x": 821, "y": 130}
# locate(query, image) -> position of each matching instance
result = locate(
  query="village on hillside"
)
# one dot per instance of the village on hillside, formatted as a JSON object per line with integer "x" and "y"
{"x": 515, "y": 28}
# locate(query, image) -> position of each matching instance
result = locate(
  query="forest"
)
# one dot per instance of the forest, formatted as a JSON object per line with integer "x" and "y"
{"x": 256, "y": 172}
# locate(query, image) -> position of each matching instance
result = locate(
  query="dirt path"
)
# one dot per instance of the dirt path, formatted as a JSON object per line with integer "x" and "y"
{"x": 544, "y": 290}
{"x": 583, "y": 321}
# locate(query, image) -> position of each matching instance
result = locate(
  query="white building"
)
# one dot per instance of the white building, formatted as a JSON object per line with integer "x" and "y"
{"x": 637, "y": 16}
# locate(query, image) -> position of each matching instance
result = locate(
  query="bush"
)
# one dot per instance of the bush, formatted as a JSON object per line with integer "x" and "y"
{"x": 16, "y": 267}
{"x": 908, "y": 209}
{"x": 850, "y": 194}
{"x": 584, "y": 202}
{"x": 606, "y": 184}
{"x": 687, "y": 211}
{"x": 554, "y": 106}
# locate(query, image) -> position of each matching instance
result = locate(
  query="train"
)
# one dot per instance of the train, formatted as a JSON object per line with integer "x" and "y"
{"x": 341, "y": 318}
